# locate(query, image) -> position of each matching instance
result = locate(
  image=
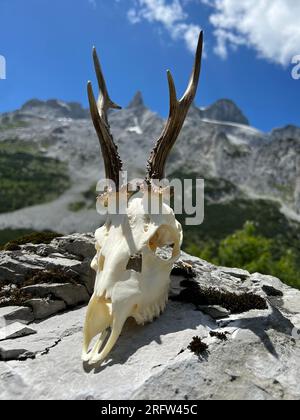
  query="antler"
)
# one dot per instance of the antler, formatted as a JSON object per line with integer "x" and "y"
{"x": 112, "y": 160}
{"x": 178, "y": 112}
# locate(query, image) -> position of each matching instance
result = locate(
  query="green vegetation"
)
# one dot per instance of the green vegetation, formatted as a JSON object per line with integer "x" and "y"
{"x": 245, "y": 233}
{"x": 77, "y": 206}
{"x": 247, "y": 249}
{"x": 90, "y": 194}
{"x": 88, "y": 200}
{"x": 8, "y": 125}
{"x": 15, "y": 145}
{"x": 27, "y": 178}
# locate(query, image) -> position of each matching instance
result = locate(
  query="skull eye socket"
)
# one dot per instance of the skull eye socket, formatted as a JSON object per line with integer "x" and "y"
{"x": 165, "y": 252}
{"x": 162, "y": 243}
{"x": 135, "y": 263}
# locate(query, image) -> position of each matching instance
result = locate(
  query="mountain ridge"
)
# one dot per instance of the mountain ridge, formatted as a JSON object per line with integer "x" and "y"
{"x": 221, "y": 110}
{"x": 261, "y": 165}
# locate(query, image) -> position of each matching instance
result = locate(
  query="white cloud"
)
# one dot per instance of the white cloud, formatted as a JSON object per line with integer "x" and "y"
{"x": 271, "y": 27}
{"x": 169, "y": 14}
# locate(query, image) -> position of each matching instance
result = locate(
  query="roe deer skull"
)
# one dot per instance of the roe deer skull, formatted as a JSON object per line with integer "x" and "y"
{"x": 132, "y": 274}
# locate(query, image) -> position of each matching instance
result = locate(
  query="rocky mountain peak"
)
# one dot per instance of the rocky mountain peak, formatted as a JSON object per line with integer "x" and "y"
{"x": 137, "y": 101}
{"x": 225, "y": 110}
{"x": 287, "y": 132}
{"x": 54, "y": 108}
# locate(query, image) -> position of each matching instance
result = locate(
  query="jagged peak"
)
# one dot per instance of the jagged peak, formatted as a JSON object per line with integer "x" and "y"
{"x": 54, "y": 108}
{"x": 137, "y": 101}
{"x": 225, "y": 110}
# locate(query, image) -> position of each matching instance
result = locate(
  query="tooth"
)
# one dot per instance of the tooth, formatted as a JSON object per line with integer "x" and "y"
{"x": 157, "y": 310}
{"x": 98, "y": 319}
{"x": 98, "y": 344}
{"x": 139, "y": 319}
{"x": 115, "y": 333}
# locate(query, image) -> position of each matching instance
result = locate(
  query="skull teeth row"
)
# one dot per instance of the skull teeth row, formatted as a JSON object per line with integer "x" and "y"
{"x": 151, "y": 311}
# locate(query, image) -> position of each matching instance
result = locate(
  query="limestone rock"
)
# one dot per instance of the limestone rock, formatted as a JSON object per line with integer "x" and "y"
{"x": 259, "y": 360}
{"x": 67, "y": 259}
{"x": 10, "y": 314}
{"x": 15, "y": 330}
{"x": 71, "y": 294}
{"x": 43, "y": 308}
{"x": 236, "y": 272}
{"x": 215, "y": 311}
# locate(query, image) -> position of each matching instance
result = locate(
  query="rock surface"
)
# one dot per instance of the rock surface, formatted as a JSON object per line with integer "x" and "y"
{"x": 10, "y": 314}
{"x": 15, "y": 330}
{"x": 47, "y": 278}
{"x": 43, "y": 308}
{"x": 259, "y": 359}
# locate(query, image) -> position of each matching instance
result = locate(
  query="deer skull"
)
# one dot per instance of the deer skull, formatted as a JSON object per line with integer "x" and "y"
{"x": 132, "y": 274}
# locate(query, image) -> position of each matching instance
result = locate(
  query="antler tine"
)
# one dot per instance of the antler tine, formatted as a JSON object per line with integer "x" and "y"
{"x": 112, "y": 160}
{"x": 191, "y": 90}
{"x": 177, "y": 115}
{"x": 104, "y": 101}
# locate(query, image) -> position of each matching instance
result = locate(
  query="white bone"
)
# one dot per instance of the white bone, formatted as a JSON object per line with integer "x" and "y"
{"x": 120, "y": 292}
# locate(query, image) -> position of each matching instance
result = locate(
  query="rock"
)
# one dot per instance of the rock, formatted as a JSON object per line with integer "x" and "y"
{"x": 14, "y": 354}
{"x": 70, "y": 254}
{"x": 215, "y": 311}
{"x": 82, "y": 245}
{"x": 22, "y": 264}
{"x": 15, "y": 330}
{"x": 224, "y": 110}
{"x": 236, "y": 272}
{"x": 71, "y": 294}
{"x": 10, "y": 314}
{"x": 43, "y": 308}
{"x": 54, "y": 109}
{"x": 137, "y": 101}
{"x": 259, "y": 360}
{"x": 11, "y": 271}
{"x": 271, "y": 291}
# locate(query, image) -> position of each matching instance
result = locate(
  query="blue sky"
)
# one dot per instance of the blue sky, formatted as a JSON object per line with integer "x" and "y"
{"x": 47, "y": 46}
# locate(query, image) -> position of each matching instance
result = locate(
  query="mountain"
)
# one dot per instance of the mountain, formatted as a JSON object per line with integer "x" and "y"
{"x": 224, "y": 110}
{"x": 50, "y": 162}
